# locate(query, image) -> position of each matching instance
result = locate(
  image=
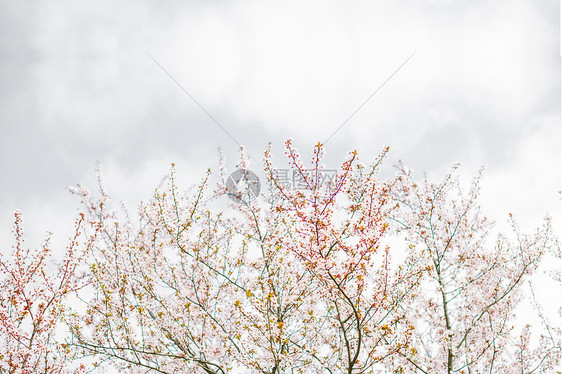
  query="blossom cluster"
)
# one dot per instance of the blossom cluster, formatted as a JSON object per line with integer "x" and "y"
{"x": 347, "y": 274}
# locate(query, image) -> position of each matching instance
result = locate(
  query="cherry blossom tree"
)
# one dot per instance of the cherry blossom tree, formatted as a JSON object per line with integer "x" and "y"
{"x": 337, "y": 236}
{"x": 465, "y": 311}
{"x": 350, "y": 275}
{"x": 32, "y": 303}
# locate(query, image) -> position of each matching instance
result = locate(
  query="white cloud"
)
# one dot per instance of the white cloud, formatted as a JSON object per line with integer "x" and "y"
{"x": 480, "y": 85}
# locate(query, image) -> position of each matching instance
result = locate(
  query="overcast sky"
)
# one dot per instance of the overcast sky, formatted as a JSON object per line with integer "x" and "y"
{"x": 77, "y": 86}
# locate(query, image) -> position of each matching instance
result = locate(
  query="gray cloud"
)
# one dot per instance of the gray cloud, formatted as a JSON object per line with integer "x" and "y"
{"x": 76, "y": 86}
